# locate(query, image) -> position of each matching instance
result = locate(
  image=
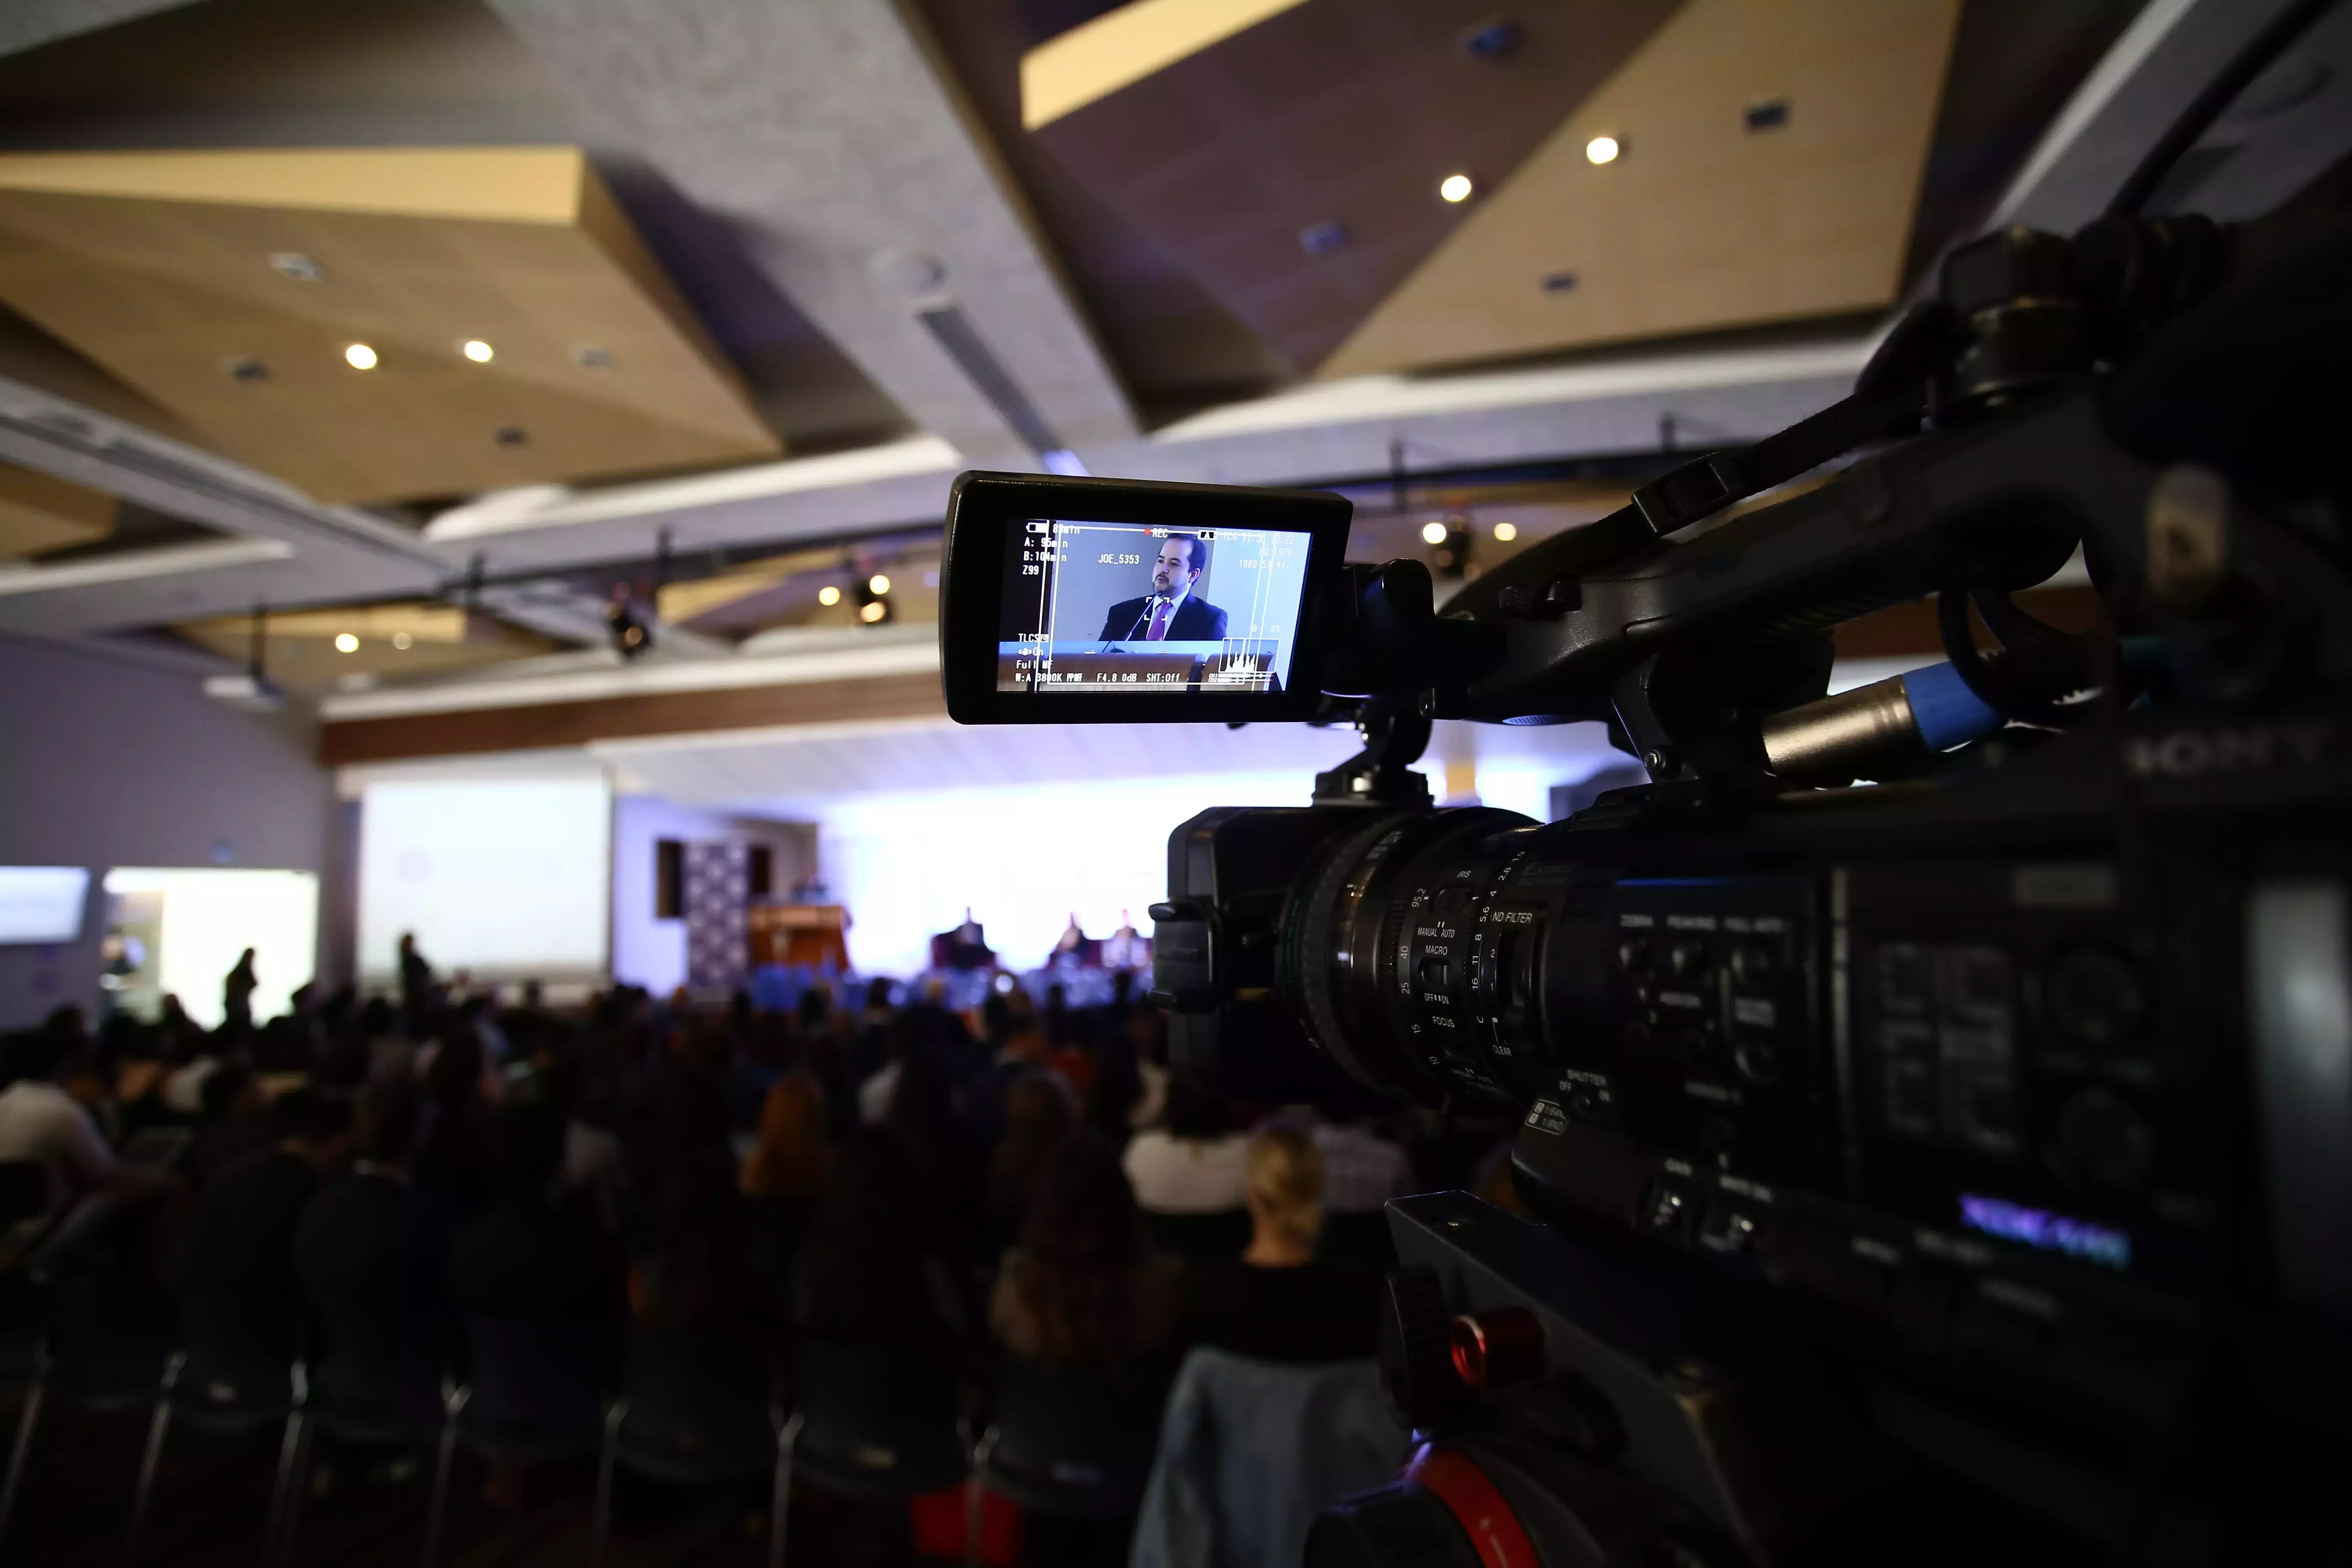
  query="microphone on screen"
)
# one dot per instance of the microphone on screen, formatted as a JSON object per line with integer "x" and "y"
{"x": 1143, "y": 617}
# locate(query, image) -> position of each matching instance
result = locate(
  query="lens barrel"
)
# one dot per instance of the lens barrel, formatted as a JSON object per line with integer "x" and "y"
{"x": 1405, "y": 969}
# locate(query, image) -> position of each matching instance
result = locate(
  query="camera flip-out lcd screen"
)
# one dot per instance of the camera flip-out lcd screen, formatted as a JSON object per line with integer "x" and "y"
{"x": 1077, "y": 600}
{"x": 1091, "y": 608}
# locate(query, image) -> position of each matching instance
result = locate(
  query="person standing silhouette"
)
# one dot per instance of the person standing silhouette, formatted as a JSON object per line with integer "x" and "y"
{"x": 237, "y": 998}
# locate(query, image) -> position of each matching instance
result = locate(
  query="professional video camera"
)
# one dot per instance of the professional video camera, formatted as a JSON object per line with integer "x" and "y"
{"x": 1955, "y": 1164}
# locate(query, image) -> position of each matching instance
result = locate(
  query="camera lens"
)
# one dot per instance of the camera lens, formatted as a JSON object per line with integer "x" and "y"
{"x": 1393, "y": 954}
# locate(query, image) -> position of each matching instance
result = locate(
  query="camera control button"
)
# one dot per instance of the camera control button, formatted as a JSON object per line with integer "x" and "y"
{"x": 2104, "y": 1139}
{"x": 2096, "y": 997}
{"x": 1669, "y": 1209}
{"x": 1687, "y": 959}
{"x": 1435, "y": 974}
{"x": 1633, "y": 955}
{"x": 1730, "y": 1228}
{"x": 1751, "y": 964}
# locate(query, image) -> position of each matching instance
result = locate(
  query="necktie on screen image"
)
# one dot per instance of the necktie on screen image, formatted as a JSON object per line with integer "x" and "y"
{"x": 1158, "y": 632}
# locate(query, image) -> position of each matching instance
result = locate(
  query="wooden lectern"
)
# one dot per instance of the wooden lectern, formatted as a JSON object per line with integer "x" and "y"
{"x": 795, "y": 934}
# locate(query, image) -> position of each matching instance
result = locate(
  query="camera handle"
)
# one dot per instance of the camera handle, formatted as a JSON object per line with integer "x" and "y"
{"x": 1395, "y": 732}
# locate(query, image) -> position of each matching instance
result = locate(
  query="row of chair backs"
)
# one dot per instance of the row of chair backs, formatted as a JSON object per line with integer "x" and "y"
{"x": 238, "y": 1349}
{"x": 877, "y": 1421}
{"x": 382, "y": 1381}
{"x": 538, "y": 1386}
{"x": 699, "y": 1408}
{"x": 108, "y": 1341}
{"x": 1075, "y": 1442}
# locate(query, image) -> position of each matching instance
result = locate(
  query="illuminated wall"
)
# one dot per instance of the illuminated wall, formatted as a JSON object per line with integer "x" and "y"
{"x": 508, "y": 879}
{"x": 210, "y": 918}
{"x": 105, "y": 762}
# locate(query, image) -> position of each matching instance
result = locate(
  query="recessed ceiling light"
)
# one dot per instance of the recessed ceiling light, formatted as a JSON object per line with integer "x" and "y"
{"x": 1602, "y": 150}
{"x": 588, "y": 356}
{"x": 510, "y": 435}
{"x": 872, "y": 613}
{"x": 1432, "y": 533}
{"x": 359, "y": 356}
{"x": 1506, "y": 531}
{"x": 828, "y": 594}
{"x": 879, "y": 582}
{"x": 245, "y": 368}
{"x": 346, "y": 643}
{"x": 478, "y": 351}
{"x": 297, "y": 267}
{"x": 1455, "y": 187}
{"x": 402, "y": 639}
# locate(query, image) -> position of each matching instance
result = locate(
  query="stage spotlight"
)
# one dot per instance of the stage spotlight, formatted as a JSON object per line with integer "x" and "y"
{"x": 875, "y": 605}
{"x": 630, "y": 637}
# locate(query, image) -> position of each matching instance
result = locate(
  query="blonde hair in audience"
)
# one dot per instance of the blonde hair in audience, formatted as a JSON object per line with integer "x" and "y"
{"x": 1286, "y": 1182}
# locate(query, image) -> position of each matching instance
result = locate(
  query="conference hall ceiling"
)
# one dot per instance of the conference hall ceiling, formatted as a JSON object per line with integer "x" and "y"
{"x": 430, "y": 326}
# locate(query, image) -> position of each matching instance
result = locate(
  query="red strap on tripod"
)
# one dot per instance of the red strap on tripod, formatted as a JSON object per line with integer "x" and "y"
{"x": 1478, "y": 1504}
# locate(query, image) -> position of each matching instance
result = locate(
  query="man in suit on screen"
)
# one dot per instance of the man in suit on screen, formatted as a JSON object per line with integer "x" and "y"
{"x": 1170, "y": 612}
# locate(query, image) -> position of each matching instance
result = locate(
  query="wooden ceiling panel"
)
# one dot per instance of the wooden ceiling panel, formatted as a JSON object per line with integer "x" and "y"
{"x": 394, "y": 640}
{"x": 39, "y": 513}
{"x": 1700, "y": 223}
{"x": 160, "y": 268}
{"x": 1125, "y": 45}
{"x": 1332, "y": 112}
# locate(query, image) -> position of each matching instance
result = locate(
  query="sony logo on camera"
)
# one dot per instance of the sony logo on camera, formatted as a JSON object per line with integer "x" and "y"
{"x": 2192, "y": 754}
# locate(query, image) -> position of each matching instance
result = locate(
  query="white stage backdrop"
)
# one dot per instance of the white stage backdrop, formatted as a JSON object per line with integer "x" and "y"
{"x": 1026, "y": 856}
{"x": 508, "y": 879}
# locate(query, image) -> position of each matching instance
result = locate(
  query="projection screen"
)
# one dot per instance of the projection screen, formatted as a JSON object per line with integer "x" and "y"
{"x": 506, "y": 878}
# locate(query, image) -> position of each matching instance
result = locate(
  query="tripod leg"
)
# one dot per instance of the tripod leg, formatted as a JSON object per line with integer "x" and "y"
{"x": 603, "y": 1526}
{"x": 22, "y": 1456}
{"x": 445, "y": 1458}
{"x": 149, "y": 1464}
{"x": 780, "y": 1509}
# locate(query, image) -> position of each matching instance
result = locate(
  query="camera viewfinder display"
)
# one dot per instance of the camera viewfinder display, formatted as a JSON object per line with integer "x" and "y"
{"x": 1136, "y": 608}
